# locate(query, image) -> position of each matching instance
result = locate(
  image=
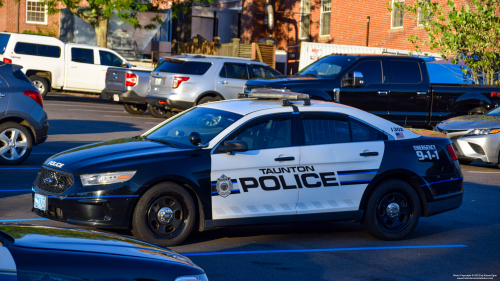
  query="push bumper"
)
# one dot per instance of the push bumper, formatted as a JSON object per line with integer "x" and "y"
{"x": 123, "y": 97}
{"x": 438, "y": 207}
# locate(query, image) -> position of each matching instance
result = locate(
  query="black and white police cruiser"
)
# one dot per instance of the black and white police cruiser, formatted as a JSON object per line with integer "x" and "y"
{"x": 269, "y": 158}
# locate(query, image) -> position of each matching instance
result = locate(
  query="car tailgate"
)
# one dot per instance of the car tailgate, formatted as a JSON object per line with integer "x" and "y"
{"x": 115, "y": 79}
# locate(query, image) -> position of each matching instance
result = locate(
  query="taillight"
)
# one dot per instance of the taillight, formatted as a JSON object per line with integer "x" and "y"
{"x": 452, "y": 153}
{"x": 7, "y": 60}
{"x": 176, "y": 82}
{"x": 130, "y": 79}
{"x": 34, "y": 94}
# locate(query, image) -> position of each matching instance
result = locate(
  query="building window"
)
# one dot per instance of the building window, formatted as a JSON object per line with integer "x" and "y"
{"x": 326, "y": 9}
{"x": 397, "y": 14}
{"x": 421, "y": 18}
{"x": 305, "y": 15}
{"x": 36, "y": 12}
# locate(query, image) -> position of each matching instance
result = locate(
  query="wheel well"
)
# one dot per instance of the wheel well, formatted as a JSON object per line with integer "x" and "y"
{"x": 23, "y": 122}
{"x": 42, "y": 73}
{"x": 209, "y": 94}
{"x": 399, "y": 176}
{"x": 200, "y": 218}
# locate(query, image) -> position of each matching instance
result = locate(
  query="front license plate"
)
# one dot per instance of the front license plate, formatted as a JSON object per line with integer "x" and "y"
{"x": 158, "y": 81}
{"x": 116, "y": 97}
{"x": 40, "y": 202}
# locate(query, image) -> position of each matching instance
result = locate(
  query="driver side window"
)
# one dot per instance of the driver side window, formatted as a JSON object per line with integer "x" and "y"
{"x": 266, "y": 133}
{"x": 371, "y": 70}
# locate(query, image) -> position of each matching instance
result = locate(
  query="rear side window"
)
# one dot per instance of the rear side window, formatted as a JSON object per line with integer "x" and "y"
{"x": 235, "y": 71}
{"x": 110, "y": 59}
{"x": 371, "y": 70}
{"x": 82, "y": 55}
{"x": 4, "y": 39}
{"x": 405, "y": 72}
{"x": 263, "y": 71}
{"x": 321, "y": 129}
{"x": 363, "y": 132}
{"x": 183, "y": 67}
{"x": 37, "y": 50}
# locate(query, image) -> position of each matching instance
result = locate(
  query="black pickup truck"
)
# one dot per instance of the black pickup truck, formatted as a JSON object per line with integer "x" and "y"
{"x": 396, "y": 88}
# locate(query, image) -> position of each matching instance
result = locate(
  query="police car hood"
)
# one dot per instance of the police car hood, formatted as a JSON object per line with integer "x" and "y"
{"x": 466, "y": 122}
{"x": 113, "y": 156}
{"x": 64, "y": 239}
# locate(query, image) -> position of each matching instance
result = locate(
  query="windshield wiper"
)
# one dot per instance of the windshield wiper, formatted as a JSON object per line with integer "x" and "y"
{"x": 160, "y": 141}
{"x": 311, "y": 74}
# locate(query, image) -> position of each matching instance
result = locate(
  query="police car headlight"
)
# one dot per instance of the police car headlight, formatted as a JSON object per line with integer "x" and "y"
{"x": 201, "y": 277}
{"x": 106, "y": 178}
{"x": 478, "y": 132}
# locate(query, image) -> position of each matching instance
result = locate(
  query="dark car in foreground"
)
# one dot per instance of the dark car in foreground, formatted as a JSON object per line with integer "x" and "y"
{"x": 474, "y": 137}
{"x": 396, "y": 88}
{"x": 23, "y": 122}
{"x": 49, "y": 253}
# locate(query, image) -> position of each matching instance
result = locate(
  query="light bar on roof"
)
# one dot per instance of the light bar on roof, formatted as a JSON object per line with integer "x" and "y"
{"x": 281, "y": 94}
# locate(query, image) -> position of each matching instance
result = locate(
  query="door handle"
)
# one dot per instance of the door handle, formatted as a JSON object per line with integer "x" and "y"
{"x": 374, "y": 153}
{"x": 382, "y": 93}
{"x": 73, "y": 66}
{"x": 284, "y": 158}
{"x": 421, "y": 93}
{"x": 222, "y": 82}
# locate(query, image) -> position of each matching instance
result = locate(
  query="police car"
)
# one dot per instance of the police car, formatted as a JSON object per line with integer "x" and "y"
{"x": 270, "y": 158}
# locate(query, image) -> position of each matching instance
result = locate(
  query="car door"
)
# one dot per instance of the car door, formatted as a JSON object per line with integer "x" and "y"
{"x": 409, "y": 99}
{"x": 106, "y": 60}
{"x": 4, "y": 96}
{"x": 373, "y": 95}
{"x": 231, "y": 80}
{"x": 260, "y": 71}
{"x": 262, "y": 179}
{"x": 82, "y": 72}
{"x": 340, "y": 156}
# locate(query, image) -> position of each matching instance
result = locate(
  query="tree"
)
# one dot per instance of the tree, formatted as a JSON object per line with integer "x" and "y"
{"x": 470, "y": 33}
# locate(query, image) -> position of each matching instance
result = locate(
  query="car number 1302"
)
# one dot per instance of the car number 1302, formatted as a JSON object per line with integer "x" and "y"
{"x": 426, "y": 152}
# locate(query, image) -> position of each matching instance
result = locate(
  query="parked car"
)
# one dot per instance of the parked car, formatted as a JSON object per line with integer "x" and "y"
{"x": 475, "y": 137}
{"x": 23, "y": 122}
{"x": 127, "y": 86}
{"x": 52, "y": 64}
{"x": 181, "y": 82}
{"x": 396, "y": 88}
{"x": 50, "y": 253}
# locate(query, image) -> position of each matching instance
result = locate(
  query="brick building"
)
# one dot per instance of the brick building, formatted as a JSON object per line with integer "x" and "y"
{"x": 27, "y": 15}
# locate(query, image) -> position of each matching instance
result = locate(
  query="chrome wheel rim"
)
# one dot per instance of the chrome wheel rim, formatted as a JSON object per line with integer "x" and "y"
{"x": 13, "y": 144}
{"x": 38, "y": 85}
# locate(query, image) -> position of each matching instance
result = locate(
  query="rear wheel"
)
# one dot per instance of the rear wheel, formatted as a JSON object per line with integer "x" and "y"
{"x": 15, "y": 143}
{"x": 165, "y": 215}
{"x": 41, "y": 84}
{"x": 393, "y": 211}
{"x": 135, "y": 108}
{"x": 208, "y": 99}
{"x": 159, "y": 112}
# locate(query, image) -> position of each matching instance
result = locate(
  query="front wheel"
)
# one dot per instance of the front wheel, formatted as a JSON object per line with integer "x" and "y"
{"x": 15, "y": 143}
{"x": 393, "y": 211}
{"x": 134, "y": 108}
{"x": 165, "y": 215}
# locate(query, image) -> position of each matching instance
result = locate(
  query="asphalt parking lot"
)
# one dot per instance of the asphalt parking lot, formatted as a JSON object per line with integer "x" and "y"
{"x": 461, "y": 242}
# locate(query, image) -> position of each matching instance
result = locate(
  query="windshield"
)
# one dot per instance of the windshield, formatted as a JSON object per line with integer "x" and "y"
{"x": 207, "y": 122}
{"x": 4, "y": 39}
{"x": 327, "y": 67}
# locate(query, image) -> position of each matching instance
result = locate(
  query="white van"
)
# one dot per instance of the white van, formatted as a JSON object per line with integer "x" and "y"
{"x": 52, "y": 64}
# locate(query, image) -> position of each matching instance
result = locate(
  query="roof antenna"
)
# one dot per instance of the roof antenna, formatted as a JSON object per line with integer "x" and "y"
{"x": 406, "y": 118}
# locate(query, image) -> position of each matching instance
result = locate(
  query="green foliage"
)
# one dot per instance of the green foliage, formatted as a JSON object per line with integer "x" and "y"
{"x": 469, "y": 32}
{"x": 50, "y": 31}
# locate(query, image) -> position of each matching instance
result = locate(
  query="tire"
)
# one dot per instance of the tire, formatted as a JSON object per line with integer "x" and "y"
{"x": 21, "y": 145}
{"x": 208, "y": 99}
{"x": 146, "y": 224}
{"x": 378, "y": 223}
{"x": 41, "y": 84}
{"x": 159, "y": 112}
{"x": 135, "y": 108}
{"x": 464, "y": 162}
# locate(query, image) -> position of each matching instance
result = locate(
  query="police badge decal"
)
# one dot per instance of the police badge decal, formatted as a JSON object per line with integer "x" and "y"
{"x": 224, "y": 186}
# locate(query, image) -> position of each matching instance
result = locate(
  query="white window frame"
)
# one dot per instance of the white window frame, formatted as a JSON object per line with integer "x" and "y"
{"x": 36, "y": 22}
{"x": 392, "y": 14}
{"x": 321, "y": 19}
{"x": 418, "y": 14}
{"x": 300, "y": 19}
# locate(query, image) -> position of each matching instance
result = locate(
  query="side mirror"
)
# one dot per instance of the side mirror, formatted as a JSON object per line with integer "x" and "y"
{"x": 353, "y": 80}
{"x": 233, "y": 146}
{"x": 195, "y": 138}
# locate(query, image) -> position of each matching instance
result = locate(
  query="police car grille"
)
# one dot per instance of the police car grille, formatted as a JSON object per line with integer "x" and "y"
{"x": 53, "y": 181}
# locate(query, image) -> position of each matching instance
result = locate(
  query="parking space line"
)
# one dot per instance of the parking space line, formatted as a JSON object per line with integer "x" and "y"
{"x": 324, "y": 250}
{"x": 16, "y": 190}
{"x": 14, "y": 220}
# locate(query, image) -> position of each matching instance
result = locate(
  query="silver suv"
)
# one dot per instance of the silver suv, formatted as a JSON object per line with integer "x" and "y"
{"x": 180, "y": 82}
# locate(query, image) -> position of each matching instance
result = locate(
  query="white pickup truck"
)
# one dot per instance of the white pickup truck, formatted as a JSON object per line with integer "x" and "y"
{"x": 52, "y": 64}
